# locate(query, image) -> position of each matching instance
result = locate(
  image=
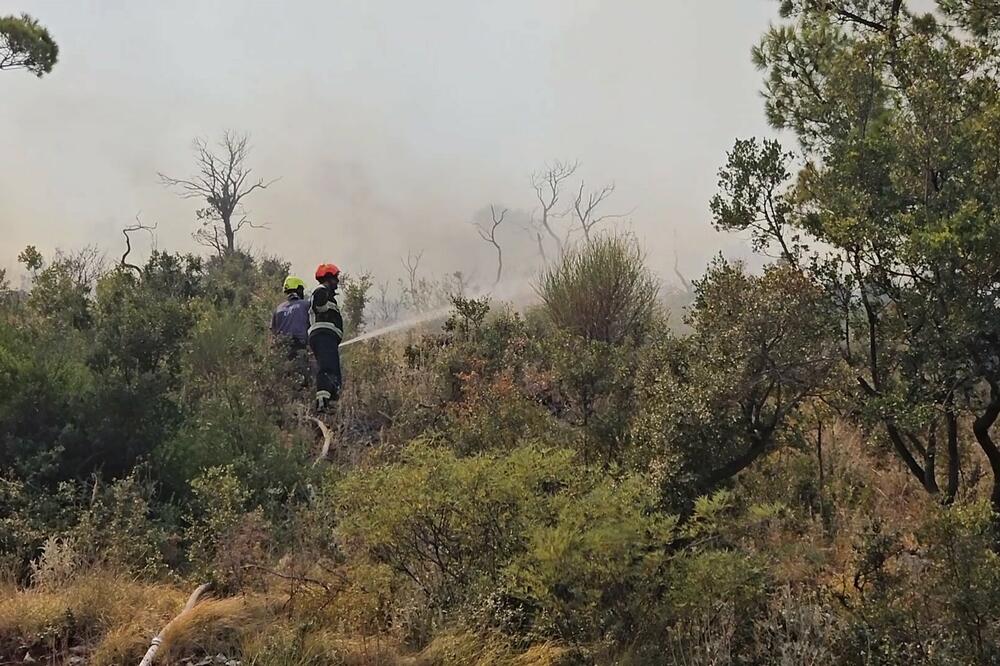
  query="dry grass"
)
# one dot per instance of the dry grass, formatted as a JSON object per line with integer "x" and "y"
{"x": 464, "y": 649}
{"x": 111, "y": 614}
{"x": 286, "y": 644}
{"x": 113, "y": 618}
{"x": 214, "y": 623}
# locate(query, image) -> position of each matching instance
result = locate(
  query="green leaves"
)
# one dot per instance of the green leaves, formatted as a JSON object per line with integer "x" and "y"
{"x": 897, "y": 202}
{"x": 761, "y": 347}
{"x": 26, "y": 44}
{"x": 601, "y": 291}
{"x": 752, "y": 196}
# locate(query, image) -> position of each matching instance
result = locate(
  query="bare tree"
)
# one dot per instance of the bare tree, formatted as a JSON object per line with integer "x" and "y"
{"x": 548, "y": 184}
{"x": 388, "y": 305}
{"x": 223, "y": 181}
{"x": 460, "y": 283}
{"x": 585, "y": 209}
{"x": 84, "y": 267}
{"x": 488, "y": 232}
{"x": 138, "y": 226}
{"x": 415, "y": 289}
{"x": 412, "y": 265}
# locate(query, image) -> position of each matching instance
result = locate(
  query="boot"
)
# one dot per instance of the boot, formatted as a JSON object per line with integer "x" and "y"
{"x": 322, "y": 401}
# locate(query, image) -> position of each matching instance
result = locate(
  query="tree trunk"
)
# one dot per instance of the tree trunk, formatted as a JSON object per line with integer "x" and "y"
{"x": 758, "y": 444}
{"x": 897, "y": 439}
{"x": 981, "y": 427}
{"x": 930, "y": 458}
{"x": 911, "y": 463}
{"x": 951, "y": 424}
{"x": 499, "y": 265}
{"x": 227, "y": 223}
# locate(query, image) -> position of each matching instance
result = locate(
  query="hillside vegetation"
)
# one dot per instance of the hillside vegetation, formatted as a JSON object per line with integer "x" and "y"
{"x": 804, "y": 473}
{"x": 557, "y": 485}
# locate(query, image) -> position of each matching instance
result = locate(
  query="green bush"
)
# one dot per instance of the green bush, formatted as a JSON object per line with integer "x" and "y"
{"x": 591, "y": 571}
{"x": 446, "y": 524}
{"x": 601, "y": 291}
{"x": 117, "y": 529}
{"x": 225, "y": 531}
{"x": 591, "y": 385}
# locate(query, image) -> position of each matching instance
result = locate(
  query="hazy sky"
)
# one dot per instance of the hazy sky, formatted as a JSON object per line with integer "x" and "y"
{"x": 390, "y": 123}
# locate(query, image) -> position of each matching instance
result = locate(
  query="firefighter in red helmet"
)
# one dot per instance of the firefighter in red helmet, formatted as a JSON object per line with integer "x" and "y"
{"x": 325, "y": 334}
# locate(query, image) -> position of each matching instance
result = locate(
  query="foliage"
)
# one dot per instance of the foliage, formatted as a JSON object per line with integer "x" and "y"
{"x": 891, "y": 211}
{"x": 450, "y": 524}
{"x": 118, "y": 530}
{"x": 573, "y": 483}
{"x": 601, "y": 291}
{"x": 26, "y": 44}
{"x": 585, "y": 573}
{"x": 591, "y": 385}
{"x": 223, "y": 532}
{"x": 356, "y": 299}
{"x": 716, "y": 401}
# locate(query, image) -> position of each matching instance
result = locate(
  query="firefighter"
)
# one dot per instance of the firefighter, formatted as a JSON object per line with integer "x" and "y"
{"x": 325, "y": 335}
{"x": 290, "y": 325}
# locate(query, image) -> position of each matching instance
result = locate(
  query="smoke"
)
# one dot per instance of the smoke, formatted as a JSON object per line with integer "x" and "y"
{"x": 392, "y": 125}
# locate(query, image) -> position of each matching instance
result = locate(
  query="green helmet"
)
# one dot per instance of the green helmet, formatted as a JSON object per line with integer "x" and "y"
{"x": 292, "y": 283}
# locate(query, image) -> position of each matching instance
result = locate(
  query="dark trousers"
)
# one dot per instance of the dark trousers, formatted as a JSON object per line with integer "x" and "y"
{"x": 298, "y": 360}
{"x": 326, "y": 349}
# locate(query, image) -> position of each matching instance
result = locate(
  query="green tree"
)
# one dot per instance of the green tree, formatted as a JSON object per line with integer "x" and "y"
{"x": 714, "y": 402}
{"x": 26, "y": 44}
{"x": 356, "y": 299}
{"x": 894, "y": 208}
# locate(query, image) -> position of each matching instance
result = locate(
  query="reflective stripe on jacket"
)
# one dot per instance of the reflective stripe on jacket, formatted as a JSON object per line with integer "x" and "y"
{"x": 324, "y": 313}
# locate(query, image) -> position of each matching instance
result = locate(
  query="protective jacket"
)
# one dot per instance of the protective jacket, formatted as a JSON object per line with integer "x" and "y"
{"x": 325, "y": 314}
{"x": 291, "y": 319}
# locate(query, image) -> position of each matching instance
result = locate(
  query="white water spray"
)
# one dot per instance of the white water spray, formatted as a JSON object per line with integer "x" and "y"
{"x": 400, "y": 325}
{"x": 516, "y": 292}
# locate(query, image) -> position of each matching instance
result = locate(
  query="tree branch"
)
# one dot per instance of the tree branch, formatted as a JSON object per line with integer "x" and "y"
{"x": 138, "y": 226}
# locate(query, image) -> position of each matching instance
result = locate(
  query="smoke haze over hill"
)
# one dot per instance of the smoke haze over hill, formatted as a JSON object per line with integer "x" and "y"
{"x": 391, "y": 124}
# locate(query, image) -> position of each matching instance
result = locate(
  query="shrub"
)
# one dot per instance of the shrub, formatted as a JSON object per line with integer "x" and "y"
{"x": 601, "y": 291}
{"x": 494, "y": 415}
{"x": 592, "y": 387}
{"x": 224, "y": 531}
{"x": 356, "y": 299}
{"x": 58, "y": 563}
{"x": 590, "y": 572}
{"x": 447, "y": 524}
{"x": 117, "y": 531}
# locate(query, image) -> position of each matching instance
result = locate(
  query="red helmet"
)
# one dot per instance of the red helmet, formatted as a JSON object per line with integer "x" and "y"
{"x": 325, "y": 270}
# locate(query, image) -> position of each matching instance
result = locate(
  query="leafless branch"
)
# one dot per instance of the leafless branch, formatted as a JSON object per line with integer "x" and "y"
{"x": 488, "y": 233}
{"x": 223, "y": 181}
{"x": 246, "y": 222}
{"x": 138, "y": 226}
{"x": 295, "y": 579}
{"x": 412, "y": 265}
{"x": 388, "y": 306}
{"x": 548, "y": 184}
{"x": 586, "y": 209}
